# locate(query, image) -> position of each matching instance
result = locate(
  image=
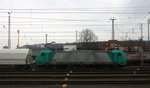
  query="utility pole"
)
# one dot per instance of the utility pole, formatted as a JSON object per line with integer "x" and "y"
{"x": 18, "y": 31}
{"x": 141, "y": 31}
{"x": 113, "y": 31}
{"x": 9, "y": 38}
{"x": 76, "y": 36}
{"x": 141, "y": 51}
{"x": 46, "y": 38}
{"x": 46, "y": 41}
{"x": 148, "y": 20}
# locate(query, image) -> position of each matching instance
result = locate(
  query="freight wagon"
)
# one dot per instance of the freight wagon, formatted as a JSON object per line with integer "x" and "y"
{"x": 15, "y": 57}
{"x": 136, "y": 58}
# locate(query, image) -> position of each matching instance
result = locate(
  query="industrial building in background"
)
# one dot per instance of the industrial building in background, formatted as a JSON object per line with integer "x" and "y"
{"x": 69, "y": 47}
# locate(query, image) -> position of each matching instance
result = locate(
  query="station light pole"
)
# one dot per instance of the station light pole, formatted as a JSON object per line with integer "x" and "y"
{"x": 18, "y": 31}
{"x": 9, "y": 37}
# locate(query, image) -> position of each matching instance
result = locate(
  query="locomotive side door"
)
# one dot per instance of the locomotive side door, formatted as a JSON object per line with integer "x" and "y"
{"x": 43, "y": 56}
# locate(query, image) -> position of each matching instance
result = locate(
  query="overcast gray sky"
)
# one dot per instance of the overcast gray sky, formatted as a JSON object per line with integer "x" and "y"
{"x": 60, "y": 19}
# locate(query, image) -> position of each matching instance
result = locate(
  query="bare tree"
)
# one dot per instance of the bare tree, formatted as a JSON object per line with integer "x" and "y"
{"x": 87, "y": 39}
{"x": 87, "y": 36}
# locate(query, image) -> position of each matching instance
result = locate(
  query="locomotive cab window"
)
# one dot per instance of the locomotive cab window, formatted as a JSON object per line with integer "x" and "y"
{"x": 119, "y": 54}
{"x": 43, "y": 54}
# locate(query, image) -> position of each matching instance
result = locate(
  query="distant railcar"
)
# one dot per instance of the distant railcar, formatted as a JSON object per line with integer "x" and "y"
{"x": 15, "y": 57}
{"x": 137, "y": 58}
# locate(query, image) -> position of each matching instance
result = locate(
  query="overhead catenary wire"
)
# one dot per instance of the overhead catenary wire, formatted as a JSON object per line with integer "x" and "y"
{"x": 35, "y": 20}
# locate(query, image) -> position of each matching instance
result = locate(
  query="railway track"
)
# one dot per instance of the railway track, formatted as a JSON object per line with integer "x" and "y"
{"x": 70, "y": 76}
{"x": 36, "y": 82}
{"x": 77, "y": 77}
{"x": 75, "y": 73}
{"x": 73, "y": 78}
{"x": 78, "y": 69}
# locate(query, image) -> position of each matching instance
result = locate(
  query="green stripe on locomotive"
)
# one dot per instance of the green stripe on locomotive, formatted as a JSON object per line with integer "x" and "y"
{"x": 44, "y": 57}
